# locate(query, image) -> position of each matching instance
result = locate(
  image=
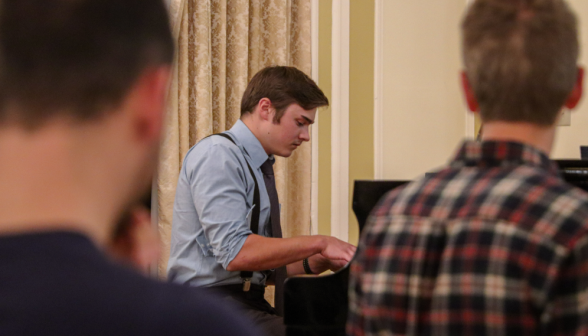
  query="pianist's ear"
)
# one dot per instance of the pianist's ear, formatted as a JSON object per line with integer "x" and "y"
{"x": 468, "y": 93}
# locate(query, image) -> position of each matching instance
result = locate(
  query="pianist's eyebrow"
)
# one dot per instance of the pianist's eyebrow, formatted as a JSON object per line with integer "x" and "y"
{"x": 308, "y": 120}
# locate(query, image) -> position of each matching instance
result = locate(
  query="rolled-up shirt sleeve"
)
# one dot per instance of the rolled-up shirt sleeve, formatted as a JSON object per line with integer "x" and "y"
{"x": 218, "y": 183}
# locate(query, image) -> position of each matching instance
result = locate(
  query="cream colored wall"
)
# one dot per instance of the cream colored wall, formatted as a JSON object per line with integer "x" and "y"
{"x": 423, "y": 113}
{"x": 361, "y": 100}
{"x": 570, "y": 138}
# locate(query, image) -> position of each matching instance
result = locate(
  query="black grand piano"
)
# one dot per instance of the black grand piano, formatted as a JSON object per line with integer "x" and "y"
{"x": 318, "y": 305}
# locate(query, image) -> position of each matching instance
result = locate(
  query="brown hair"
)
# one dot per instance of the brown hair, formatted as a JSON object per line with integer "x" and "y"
{"x": 76, "y": 58}
{"x": 283, "y": 86}
{"x": 520, "y": 58}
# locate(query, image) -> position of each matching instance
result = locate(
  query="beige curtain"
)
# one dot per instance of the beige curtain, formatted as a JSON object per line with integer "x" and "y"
{"x": 221, "y": 44}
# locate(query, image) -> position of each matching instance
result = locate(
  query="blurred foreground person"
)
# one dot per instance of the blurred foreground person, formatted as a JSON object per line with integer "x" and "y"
{"x": 496, "y": 243}
{"x": 82, "y": 86}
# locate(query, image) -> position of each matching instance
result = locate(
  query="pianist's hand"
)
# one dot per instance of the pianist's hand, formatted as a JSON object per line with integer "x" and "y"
{"x": 318, "y": 264}
{"x": 334, "y": 255}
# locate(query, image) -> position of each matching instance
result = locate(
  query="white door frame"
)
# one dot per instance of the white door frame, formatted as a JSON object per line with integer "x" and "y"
{"x": 340, "y": 121}
{"x": 314, "y": 181}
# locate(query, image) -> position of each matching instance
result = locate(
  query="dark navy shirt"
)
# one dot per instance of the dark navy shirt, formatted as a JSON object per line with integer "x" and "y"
{"x": 60, "y": 283}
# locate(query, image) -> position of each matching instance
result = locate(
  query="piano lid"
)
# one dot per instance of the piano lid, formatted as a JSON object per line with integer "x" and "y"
{"x": 367, "y": 193}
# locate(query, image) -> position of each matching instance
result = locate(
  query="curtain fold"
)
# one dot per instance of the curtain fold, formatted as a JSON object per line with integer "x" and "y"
{"x": 220, "y": 45}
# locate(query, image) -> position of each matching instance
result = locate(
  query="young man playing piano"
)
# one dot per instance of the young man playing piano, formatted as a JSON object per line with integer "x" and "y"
{"x": 226, "y": 231}
{"x": 497, "y": 242}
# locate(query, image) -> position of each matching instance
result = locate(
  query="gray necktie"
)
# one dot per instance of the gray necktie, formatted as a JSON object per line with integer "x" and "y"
{"x": 281, "y": 272}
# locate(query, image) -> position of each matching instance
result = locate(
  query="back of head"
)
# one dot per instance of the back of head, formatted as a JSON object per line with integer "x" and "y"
{"x": 520, "y": 58}
{"x": 283, "y": 86}
{"x": 75, "y": 59}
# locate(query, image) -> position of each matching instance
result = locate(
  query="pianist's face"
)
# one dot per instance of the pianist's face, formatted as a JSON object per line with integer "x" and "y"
{"x": 291, "y": 131}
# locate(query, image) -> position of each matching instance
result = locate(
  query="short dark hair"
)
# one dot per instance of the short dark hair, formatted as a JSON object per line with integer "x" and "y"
{"x": 283, "y": 86}
{"x": 520, "y": 58}
{"x": 76, "y": 58}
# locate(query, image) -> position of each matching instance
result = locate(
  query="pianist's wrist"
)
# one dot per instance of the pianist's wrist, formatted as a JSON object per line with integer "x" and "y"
{"x": 318, "y": 263}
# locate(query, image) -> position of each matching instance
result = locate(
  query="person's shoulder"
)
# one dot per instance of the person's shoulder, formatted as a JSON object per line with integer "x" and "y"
{"x": 216, "y": 141}
{"x": 181, "y": 310}
{"x": 171, "y": 309}
{"x": 213, "y": 148}
{"x": 567, "y": 199}
{"x": 553, "y": 203}
{"x": 100, "y": 297}
{"x": 559, "y": 192}
{"x": 397, "y": 197}
{"x": 210, "y": 155}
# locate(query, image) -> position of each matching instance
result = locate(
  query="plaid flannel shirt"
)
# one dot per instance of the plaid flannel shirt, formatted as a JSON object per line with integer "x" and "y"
{"x": 495, "y": 244}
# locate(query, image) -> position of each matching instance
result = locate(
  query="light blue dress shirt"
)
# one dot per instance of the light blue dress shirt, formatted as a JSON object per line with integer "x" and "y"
{"x": 213, "y": 208}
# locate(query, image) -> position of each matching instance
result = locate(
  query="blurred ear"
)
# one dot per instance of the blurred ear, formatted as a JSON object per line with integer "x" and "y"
{"x": 146, "y": 100}
{"x": 576, "y": 94}
{"x": 468, "y": 93}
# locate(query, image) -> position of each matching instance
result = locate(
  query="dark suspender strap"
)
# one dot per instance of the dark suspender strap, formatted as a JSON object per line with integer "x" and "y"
{"x": 256, "y": 203}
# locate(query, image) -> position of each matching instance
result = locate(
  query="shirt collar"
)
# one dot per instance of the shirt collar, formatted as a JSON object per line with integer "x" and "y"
{"x": 251, "y": 145}
{"x": 501, "y": 153}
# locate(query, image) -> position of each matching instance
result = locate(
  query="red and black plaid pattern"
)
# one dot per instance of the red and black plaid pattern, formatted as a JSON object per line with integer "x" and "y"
{"x": 495, "y": 244}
